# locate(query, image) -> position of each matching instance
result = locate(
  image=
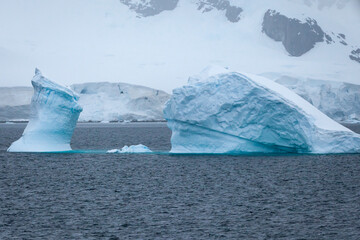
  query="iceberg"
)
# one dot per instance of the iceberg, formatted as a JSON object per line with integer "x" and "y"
{"x": 131, "y": 149}
{"x": 222, "y": 111}
{"x": 54, "y": 113}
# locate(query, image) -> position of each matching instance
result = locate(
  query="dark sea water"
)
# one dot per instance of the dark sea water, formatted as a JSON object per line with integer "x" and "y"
{"x": 152, "y": 196}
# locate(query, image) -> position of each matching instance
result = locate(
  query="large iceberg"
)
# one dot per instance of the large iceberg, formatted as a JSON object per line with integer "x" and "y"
{"x": 54, "y": 113}
{"x": 220, "y": 111}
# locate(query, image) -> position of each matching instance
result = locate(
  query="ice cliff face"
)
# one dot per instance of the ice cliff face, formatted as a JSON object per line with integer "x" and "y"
{"x": 54, "y": 113}
{"x": 338, "y": 100}
{"x": 120, "y": 102}
{"x": 231, "y": 112}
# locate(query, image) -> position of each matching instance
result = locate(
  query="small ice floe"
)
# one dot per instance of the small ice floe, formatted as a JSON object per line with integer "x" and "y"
{"x": 131, "y": 149}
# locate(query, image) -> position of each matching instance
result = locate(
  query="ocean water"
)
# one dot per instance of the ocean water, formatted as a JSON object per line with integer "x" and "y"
{"x": 151, "y": 196}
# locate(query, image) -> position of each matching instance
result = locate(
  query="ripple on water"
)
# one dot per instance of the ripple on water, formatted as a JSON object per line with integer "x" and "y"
{"x": 142, "y": 196}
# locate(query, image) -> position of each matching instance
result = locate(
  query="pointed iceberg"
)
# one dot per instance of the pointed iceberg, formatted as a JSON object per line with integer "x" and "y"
{"x": 54, "y": 113}
{"x": 231, "y": 112}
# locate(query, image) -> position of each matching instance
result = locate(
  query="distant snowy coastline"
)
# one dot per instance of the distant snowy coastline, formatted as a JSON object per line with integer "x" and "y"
{"x": 102, "y": 103}
{"x": 123, "y": 103}
{"x": 120, "y": 102}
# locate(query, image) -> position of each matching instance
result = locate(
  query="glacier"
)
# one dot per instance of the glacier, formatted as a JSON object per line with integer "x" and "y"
{"x": 223, "y": 111}
{"x": 101, "y": 102}
{"x": 54, "y": 111}
{"x": 338, "y": 100}
{"x": 106, "y": 102}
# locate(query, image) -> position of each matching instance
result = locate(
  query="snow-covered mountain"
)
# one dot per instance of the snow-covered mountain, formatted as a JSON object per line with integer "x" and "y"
{"x": 159, "y": 43}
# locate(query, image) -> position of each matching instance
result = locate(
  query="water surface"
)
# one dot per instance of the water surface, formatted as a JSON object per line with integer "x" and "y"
{"x": 137, "y": 196}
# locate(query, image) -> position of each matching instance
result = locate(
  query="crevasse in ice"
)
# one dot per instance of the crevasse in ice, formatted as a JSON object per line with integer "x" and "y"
{"x": 220, "y": 111}
{"x": 54, "y": 113}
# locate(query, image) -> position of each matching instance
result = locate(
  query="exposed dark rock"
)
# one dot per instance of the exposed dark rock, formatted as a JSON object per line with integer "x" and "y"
{"x": 341, "y": 35}
{"x": 329, "y": 40}
{"x": 232, "y": 13}
{"x": 297, "y": 37}
{"x": 342, "y": 38}
{"x": 151, "y": 7}
{"x": 355, "y": 55}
